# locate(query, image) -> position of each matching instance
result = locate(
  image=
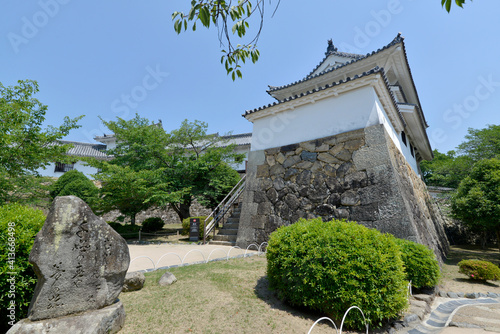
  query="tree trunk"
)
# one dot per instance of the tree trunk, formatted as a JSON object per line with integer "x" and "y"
{"x": 132, "y": 219}
{"x": 498, "y": 238}
{"x": 484, "y": 239}
{"x": 182, "y": 210}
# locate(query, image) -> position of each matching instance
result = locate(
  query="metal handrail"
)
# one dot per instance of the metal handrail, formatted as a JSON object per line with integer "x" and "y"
{"x": 223, "y": 207}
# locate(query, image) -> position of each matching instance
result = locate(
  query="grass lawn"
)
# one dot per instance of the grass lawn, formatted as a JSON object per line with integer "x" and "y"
{"x": 218, "y": 297}
{"x": 233, "y": 297}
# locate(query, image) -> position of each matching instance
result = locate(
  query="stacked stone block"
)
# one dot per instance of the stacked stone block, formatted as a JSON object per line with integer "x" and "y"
{"x": 358, "y": 175}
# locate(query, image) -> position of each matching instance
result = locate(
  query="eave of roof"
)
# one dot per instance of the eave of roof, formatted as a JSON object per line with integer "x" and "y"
{"x": 334, "y": 84}
{"x": 398, "y": 39}
{"x": 85, "y": 150}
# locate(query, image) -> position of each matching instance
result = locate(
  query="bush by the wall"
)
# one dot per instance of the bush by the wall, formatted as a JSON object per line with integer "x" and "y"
{"x": 331, "y": 266}
{"x": 127, "y": 231}
{"x": 185, "y": 225}
{"x": 421, "y": 265}
{"x": 479, "y": 270}
{"x": 152, "y": 224}
{"x": 18, "y": 227}
{"x": 75, "y": 183}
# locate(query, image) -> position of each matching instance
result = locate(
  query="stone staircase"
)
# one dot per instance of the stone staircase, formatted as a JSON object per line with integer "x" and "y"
{"x": 229, "y": 231}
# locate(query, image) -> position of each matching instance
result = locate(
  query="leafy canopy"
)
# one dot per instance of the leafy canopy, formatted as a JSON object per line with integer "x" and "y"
{"x": 25, "y": 145}
{"x": 168, "y": 168}
{"x": 448, "y": 170}
{"x": 477, "y": 200}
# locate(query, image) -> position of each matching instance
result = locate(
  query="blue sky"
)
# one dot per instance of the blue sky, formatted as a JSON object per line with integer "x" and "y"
{"x": 115, "y": 58}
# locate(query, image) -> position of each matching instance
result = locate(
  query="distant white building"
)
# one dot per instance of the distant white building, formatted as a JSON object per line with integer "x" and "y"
{"x": 80, "y": 150}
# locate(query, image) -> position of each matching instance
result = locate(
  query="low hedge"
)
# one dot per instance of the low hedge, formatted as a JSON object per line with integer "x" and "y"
{"x": 152, "y": 224}
{"x": 421, "y": 265}
{"x": 18, "y": 226}
{"x": 479, "y": 270}
{"x": 127, "y": 231}
{"x": 331, "y": 266}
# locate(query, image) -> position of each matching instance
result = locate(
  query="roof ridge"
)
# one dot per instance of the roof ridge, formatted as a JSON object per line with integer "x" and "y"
{"x": 399, "y": 38}
{"x": 376, "y": 69}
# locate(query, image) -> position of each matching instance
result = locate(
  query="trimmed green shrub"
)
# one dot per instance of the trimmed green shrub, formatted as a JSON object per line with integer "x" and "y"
{"x": 127, "y": 231}
{"x": 331, "y": 266}
{"x": 185, "y": 225}
{"x": 421, "y": 265}
{"x": 152, "y": 224}
{"x": 77, "y": 184}
{"x": 18, "y": 226}
{"x": 479, "y": 270}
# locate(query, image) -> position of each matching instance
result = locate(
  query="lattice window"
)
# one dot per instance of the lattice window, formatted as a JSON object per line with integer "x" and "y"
{"x": 63, "y": 168}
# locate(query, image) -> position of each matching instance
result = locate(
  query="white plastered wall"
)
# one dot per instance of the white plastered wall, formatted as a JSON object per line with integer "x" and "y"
{"x": 353, "y": 110}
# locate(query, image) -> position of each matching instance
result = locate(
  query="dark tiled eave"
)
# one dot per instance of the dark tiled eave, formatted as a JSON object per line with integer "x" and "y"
{"x": 364, "y": 74}
{"x": 355, "y": 57}
{"x": 80, "y": 149}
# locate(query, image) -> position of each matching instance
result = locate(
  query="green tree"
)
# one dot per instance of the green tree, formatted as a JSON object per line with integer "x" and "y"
{"x": 184, "y": 164}
{"x": 445, "y": 170}
{"x": 481, "y": 143}
{"x": 477, "y": 200}
{"x": 125, "y": 190}
{"x": 24, "y": 145}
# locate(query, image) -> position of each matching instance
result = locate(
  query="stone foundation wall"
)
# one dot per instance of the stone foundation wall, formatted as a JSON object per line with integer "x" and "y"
{"x": 168, "y": 215}
{"x": 358, "y": 175}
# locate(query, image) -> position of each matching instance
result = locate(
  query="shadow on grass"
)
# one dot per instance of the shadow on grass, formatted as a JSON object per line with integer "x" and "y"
{"x": 263, "y": 292}
{"x": 476, "y": 282}
{"x": 459, "y": 253}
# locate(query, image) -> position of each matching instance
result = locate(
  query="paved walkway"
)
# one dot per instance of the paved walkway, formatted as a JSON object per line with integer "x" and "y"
{"x": 149, "y": 257}
{"x": 483, "y": 312}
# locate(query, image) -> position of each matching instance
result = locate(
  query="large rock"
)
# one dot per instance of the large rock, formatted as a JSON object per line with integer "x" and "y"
{"x": 107, "y": 320}
{"x": 80, "y": 262}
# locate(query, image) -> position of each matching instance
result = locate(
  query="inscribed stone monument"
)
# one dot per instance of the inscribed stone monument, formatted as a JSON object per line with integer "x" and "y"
{"x": 80, "y": 262}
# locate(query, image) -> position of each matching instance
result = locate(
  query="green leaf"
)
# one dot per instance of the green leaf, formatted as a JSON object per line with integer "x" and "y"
{"x": 204, "y": 16}
{"x": 178, "y": 26}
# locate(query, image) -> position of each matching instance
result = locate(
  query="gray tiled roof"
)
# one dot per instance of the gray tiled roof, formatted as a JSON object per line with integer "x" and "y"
{"x": 80, "y": 149}
{"x": 239, "y": 139}
{"x": 354, "y": 57}
{"x": 364, "y": 74}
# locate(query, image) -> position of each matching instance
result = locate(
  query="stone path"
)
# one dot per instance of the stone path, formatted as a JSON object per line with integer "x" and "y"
{"x": 440, "y": 318}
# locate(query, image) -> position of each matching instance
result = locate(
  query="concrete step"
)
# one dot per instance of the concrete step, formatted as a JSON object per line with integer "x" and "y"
{"x": 232, "y": 226}
{"x": 219, "y": 237}
{"x": 222, "y": 243}
{"x": 232, "y": 220}
{"x": 228, "y": 231}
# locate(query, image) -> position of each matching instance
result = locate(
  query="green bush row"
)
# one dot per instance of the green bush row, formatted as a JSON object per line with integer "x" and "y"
{"x": 18, "y": 226}
{"x": 331, "y": 266}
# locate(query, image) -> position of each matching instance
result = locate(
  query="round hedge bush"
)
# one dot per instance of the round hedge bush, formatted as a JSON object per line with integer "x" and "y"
{"x": 152, "y": 224}
{"x": 421, "y": 265}
{"x": 479, "y": 270}
{"x": 331, "y": 266}
{"x": 75, "y": 183}
{"x": 18, "y": 226}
